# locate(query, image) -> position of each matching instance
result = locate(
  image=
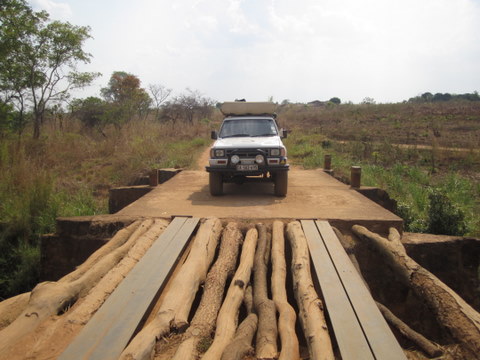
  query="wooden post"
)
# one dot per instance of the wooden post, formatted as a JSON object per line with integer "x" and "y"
{"x": 355, "y": 176}
{"x": 327, "y": 164}
{"x": 153, "y": 177}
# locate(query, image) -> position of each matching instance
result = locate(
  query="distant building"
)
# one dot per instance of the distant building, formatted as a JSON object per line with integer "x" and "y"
{"x": 317, "y": 103}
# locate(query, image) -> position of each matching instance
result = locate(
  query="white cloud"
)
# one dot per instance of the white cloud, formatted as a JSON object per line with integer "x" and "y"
{"x": 57, "y": 10}
{"x": 302, "y": 50}
{"x": 239, "y": 23}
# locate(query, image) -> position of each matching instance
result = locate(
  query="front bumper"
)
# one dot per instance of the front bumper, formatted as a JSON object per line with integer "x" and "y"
{"x": 232, "y": 169}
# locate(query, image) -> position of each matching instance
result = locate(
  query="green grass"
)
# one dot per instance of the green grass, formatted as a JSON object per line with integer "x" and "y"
{"x": 403, "y": 173}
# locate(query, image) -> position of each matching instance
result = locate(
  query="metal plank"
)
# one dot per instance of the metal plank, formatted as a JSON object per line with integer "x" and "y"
{"x": 110, "y": 329}
{"x": 348, "y": 332}
{"x": 381, "y": 339}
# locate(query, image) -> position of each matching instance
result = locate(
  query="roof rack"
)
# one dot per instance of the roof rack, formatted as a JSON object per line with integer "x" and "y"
{"x": 244, "y": 108}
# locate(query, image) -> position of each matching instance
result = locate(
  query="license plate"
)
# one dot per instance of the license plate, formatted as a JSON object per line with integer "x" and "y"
{"x": 247, "y": 167}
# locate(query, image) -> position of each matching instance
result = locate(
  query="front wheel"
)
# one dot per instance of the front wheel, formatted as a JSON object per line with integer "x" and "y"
{"x": 216, "y": 184}
{"x": 281, "y": 183}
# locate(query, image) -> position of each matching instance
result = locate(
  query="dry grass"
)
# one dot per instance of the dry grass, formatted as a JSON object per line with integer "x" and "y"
{"x": 80, "y": 158}
{"x": 443, "y": 160}
{"x": 68, "y": 172}
{"x": 452, "y": 124}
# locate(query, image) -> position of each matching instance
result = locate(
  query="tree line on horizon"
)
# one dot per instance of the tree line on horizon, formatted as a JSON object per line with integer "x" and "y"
{"x": 428, "y": 97}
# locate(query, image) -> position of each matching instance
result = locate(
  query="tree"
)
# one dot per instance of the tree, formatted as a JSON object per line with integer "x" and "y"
{"x": 368, "y": 101}
{"x": 90, "y": 111}
{"x": 439, "y": 97}
{"x": 159, "y": 95}
{"x": 190, "y": 106}
{"x": 126, "y": 97}
{"x": 335, "y": 100}
{"x": 38, "y": 59}
{"x": 6, "y": 117}
{"x": 427, "y": 97}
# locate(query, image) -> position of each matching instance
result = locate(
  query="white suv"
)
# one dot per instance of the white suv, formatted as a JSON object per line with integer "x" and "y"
{"x": 248, "y": 148}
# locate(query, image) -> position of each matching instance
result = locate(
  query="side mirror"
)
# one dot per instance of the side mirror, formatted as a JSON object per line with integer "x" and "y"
{"x": 214, "y": 135}
{"x": 284, "y": 133}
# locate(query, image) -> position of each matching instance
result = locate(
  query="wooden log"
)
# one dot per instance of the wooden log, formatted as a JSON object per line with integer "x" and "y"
{"x": 311, "y": 308}
{"x": 427, "y": 346}
{"x": 203, "y": 322}
{"x": 241, "y": 344}
{"x": 173, "y": 313}
{"x": 451, "y": 311}
{"x": 228, "y": 315}
{"x": 266, "y": 340}
{"x": 11, "y": 308}
{"x": 430, "y": 348}
{"x": 65, "y": 327}
{"x": 287, "y": 317}
{"x": 248, "y": 299}
{"x": 51, "y": 298}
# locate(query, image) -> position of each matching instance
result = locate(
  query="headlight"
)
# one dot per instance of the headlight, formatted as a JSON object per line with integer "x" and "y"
{"x": 235, "y": 159}
{"x": 259, "y": 159}
{"x": 275, "y": 152}
{"x": 219, "y": 153}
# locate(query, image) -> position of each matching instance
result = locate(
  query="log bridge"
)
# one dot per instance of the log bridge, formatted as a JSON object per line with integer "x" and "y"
{"x": 194, "y": 288}
{"x": 357, "y": 325}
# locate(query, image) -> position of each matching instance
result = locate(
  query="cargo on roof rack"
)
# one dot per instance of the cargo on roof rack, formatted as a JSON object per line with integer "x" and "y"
{"x": 248, "y": 108}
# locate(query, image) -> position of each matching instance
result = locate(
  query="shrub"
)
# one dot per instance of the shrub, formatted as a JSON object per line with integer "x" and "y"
{"x": 444, "y": 217}
{"x": 412, "y": 219}
{"x": 26, "y": 215}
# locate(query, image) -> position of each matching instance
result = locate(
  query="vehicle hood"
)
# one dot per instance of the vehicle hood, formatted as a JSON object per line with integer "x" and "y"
{"x": 248, "y": 142}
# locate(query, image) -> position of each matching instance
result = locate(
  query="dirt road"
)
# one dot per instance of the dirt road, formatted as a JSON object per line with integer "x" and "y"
{"x": 311, "y": 194}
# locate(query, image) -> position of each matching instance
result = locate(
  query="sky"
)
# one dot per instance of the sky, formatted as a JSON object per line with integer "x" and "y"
{"x": 300, "y": 51}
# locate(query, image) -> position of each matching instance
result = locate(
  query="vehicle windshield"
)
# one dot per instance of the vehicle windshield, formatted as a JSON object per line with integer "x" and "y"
{"x": 248, "y": 127}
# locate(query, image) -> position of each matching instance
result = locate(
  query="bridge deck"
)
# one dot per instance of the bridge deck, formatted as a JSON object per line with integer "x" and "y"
{"x": 311, "y": 194}
{"x": 359, "y": 327}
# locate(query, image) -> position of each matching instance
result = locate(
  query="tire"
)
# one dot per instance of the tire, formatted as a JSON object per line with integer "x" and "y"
{"x": 216, "y": 184}
{"x": 281, "y": 183}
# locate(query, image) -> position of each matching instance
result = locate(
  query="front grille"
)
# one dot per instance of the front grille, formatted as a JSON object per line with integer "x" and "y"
{"x": 245, "y": 153}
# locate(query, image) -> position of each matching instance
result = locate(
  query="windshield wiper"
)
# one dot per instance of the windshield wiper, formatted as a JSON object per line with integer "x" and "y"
{"x": 269, "y": 134}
